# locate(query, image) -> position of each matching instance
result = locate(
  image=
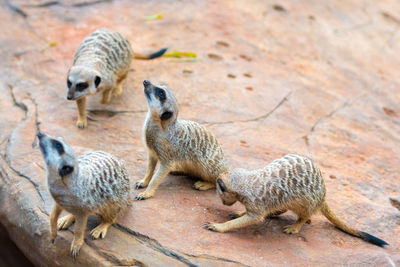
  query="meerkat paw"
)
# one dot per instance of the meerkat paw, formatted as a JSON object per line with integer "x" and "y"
{"x": 140, "y": 184}
{"x": 291, "y": 229}
{"x": 118, "y": 90}
{"x": 81, "y": 124}
{"x": 75, "y": 249}
{"x": 100, "y": 231}
{"x": 65, "y": 222}
{"x": 202, "y": 185}
{"x": 212, "y": 226}
{"x": 144, "y": 195}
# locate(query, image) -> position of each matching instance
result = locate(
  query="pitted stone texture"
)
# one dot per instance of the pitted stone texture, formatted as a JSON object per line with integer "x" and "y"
{"x": 312, "y": 78}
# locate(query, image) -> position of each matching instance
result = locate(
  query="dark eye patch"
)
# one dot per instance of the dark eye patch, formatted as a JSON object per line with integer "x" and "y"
{"x": 69, "y": 83}
{"x": 58, "y": 146}
{"x": 160, "y": 93}
{"x": 81, "y": 86}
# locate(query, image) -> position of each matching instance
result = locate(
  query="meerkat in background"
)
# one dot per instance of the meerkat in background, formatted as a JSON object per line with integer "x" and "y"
{"x": 101, "y": 63}
{"x": 177, "y": 145}
{"x": 94, "y": 183}
{"x": 289, "y": 183}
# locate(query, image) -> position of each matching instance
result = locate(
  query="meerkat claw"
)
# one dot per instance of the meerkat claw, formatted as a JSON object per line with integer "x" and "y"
{"x": 81, "y": 124}
{"x": 75, "y": 252}
{"x": 139, "y": 185}
{"x": 140, "y": 197}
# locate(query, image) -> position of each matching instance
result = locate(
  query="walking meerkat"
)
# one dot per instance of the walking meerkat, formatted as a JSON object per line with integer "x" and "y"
{"x": 94, "y": 183}
{"x": 101, "y": 63}
{"x": 177, "y": 145}
{"x": 289, "y": 183}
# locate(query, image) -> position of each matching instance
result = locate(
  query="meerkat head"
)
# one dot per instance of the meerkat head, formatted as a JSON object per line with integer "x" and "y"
{"x": 162, "y": 103}
{"x": 58, "y": 155}
{"x": 82, "y": 81}
{"x": 227, "y": 196}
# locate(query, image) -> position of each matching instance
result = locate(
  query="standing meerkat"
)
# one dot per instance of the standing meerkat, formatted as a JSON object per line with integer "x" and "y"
{"x": 178, "y": 145}
{"x": 289, "y": 183}
{"x": 94, "y": 183}
{"x": 101, "y": 63}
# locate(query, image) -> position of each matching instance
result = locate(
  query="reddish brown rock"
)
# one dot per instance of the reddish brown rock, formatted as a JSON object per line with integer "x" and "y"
{"x": 318, "y": 78}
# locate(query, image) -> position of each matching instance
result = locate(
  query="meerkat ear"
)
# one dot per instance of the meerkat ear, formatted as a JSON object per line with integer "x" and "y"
{"x": 65, "y": 170}
{"x": 221, "y": 185}
{"x": 166, "y": 115}
{"x": 97, "y": 81}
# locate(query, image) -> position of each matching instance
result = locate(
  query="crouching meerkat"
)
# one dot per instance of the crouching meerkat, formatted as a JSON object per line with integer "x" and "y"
{"x": 94, "y": 183}
{"x": 101, "y": 63}
{"x": 289, "y": 183}
{"x": 177, "y": 145}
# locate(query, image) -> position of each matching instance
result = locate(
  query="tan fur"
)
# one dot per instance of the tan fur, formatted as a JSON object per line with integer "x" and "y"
{"x": 94, "y": 183}
{"x": 290, "y": 183}
{"x": 101, "y": 63}
{"x": 177, "y": 145}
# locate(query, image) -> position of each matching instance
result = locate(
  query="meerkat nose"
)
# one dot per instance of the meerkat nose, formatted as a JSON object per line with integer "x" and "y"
{"x": 146, "y": 82}
{"x": 39, "y": 135}
{"x": 69, "y": 97}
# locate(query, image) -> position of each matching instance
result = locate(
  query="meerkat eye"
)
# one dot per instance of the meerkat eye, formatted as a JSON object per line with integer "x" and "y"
{"x": 58, "y": 146}
{"x": 161, "y": 94}
{"x": 69, "y": 83}
{"x": 81, "y": 86}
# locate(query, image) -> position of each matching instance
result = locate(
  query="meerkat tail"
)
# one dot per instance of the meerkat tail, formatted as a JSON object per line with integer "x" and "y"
{"x": 328, "y": 213}
{"x": 150, "y": 56}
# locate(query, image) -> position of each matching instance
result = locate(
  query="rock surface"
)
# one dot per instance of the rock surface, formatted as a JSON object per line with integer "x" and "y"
{"x": 310, "y": 77}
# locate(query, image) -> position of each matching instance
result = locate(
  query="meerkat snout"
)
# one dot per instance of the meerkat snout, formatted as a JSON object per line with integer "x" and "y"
{"x": 82, "y": 81}
{"x": 228, "y": 198}
{"x": 162, "y": 103}
{"x": 57, "y": 154}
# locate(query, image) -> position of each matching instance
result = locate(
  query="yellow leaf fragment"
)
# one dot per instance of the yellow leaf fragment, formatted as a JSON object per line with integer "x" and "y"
{"x": 180, "y": 54}
{"x": 154, "y": 17}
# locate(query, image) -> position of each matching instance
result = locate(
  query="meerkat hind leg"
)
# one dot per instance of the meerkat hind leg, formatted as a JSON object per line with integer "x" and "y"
{"x": 65, "y": 222}
{"x": 295, "y": 228}
{"x": 203, "y": 185}
{"x": 100, "y": 231}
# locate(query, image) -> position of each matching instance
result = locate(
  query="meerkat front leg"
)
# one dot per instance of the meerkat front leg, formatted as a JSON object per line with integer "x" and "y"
{"x": 55, "y": 213}
{"x": 79, "y": 231}
{"x": 237, "y": 214}
{"x": 151, "y": 165}
{"x": 82, "y": 120}
{"x": 118, "y": 89}
{"x": 154, "y": 183}
{"x": 240, "y": 222}
{"x": 106, "y": 97}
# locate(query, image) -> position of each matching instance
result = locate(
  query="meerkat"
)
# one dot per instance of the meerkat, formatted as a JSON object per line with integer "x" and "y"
{"x": 101, "y": 63}
{"x": 178, "y": 146}
{"x": 292, "y": 182}
{"x": 94, "y": 183}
